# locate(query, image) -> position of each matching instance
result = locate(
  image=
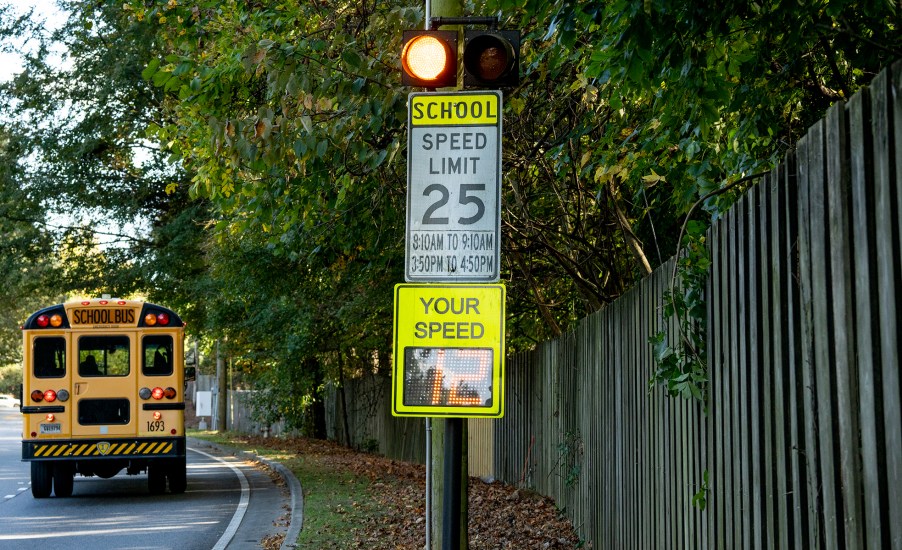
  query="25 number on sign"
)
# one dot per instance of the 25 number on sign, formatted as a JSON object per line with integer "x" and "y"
{"x": 444, "y": 197}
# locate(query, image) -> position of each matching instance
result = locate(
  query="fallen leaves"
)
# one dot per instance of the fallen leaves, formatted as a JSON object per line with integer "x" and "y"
{"x": 500, "y": 516}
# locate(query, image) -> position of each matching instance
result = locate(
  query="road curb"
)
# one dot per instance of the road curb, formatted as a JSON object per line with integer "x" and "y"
{"x": 296, "y": 521}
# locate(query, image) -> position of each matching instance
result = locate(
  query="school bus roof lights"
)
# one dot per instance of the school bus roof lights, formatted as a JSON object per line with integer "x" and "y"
{"x": 55, "y": 320}
{"x": 152, "y": 319}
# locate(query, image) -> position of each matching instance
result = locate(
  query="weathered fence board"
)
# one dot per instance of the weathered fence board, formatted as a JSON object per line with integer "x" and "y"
{"x": 886, "y": 182}
{"x": 866, "y": 320}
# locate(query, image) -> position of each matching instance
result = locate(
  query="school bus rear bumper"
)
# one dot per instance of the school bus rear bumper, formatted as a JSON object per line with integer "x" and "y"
{"x": 102, "y": 449}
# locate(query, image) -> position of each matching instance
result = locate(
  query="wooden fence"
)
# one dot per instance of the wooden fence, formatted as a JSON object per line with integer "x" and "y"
{"x": 803, "y": 439}
{"x": 802, "y": 442}
{"x": 583, "y": 426}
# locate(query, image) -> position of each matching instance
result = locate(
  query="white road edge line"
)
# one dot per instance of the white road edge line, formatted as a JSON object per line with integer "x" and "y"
{"x": 230, "y": 531}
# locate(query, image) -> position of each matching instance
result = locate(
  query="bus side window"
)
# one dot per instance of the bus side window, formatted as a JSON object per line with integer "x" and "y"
{"x": 49, "y": 357}
{"x": 157, "y": 355}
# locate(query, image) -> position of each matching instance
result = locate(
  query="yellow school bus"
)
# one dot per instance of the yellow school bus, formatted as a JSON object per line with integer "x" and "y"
{"x": 103, "y": 391}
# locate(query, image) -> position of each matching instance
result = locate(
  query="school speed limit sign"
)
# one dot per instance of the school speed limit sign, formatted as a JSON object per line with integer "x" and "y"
{"x": 453, "y": 187}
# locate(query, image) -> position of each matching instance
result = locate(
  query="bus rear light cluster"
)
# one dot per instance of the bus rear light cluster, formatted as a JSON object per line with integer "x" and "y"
{"x": 157, "y": 393}
{"x": 50, "y": 396}
{"x": 153, "y": 319}
{"x": 45, "y": 320}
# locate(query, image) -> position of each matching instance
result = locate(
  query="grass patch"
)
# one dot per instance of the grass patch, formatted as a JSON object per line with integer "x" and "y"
{"x": 338, "y": 501}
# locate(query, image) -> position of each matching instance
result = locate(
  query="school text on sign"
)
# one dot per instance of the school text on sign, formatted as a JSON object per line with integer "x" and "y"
{"x": 453, "y": 187}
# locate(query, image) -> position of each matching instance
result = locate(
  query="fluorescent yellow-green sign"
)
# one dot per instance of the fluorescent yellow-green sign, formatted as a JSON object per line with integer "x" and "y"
{"x": 455, "y": 109}
{"x": 449, "y": 350}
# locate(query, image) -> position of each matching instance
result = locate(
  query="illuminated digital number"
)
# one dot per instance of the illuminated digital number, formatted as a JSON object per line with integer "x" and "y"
{"x": 450, "y": 377}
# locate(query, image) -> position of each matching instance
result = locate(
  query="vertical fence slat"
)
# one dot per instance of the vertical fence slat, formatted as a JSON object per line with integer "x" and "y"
{"x": 776, "y": 332}
{"x": 731, "y": 424}
{"x": 887, "y": 235}
{"x": 714, "y": 455}
{"x": 806, "y": 345}
{"x": 767, "y": 364}
{"x": 743, "y": 385}
{"x": 822, "y": 335}
{"x": 844, "y": 328}
{"x": 652, "y": 499}
{"x": 754, "y": 368}
{"x": 866, "y": 315}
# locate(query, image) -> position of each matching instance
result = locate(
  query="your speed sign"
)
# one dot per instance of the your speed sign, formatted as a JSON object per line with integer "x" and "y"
{"x": 453, "y": 187}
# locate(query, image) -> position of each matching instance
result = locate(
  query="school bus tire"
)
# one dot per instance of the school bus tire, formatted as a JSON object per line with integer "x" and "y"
{"x": 177, "y": 476}
{"x": 41, "y": 479}
{"x": 63, "y": 480}
{"x": 156, "y": 479}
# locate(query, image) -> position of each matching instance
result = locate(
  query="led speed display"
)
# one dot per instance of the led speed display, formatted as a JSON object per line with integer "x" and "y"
{"x": 448, "y": 377}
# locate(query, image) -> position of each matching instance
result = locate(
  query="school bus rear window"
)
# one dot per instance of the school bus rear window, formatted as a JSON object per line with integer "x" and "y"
{"x": 49, "y": 357}
{"x": 103, "y": 356}
{"x": 103, "y": 411}
{"x": 157, "y": 351}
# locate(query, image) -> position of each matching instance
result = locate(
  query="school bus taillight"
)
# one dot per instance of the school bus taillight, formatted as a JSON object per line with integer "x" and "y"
{"x": 157, "y": 393}
{"x": 169, "y": 393}
{"x": 50, "y": 395}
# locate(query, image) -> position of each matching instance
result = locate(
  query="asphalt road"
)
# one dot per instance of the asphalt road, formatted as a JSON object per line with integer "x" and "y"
{"x": 229, "y": 504}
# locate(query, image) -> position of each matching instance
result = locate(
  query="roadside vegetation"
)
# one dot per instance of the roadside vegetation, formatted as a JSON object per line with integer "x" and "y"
{"x": 361, "y": 500}
{"x": 245, "y": 163}
{"x": 10, "y": 380}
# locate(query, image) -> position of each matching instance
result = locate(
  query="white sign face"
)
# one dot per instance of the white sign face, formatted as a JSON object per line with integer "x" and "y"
{"x": 453, "y": 187}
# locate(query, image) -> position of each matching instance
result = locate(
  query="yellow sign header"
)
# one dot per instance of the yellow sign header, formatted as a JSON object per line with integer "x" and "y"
{"x": 455, "y": 109}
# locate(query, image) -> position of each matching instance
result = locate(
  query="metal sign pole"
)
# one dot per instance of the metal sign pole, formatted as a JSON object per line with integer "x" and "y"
{"x": 451, "y": 496}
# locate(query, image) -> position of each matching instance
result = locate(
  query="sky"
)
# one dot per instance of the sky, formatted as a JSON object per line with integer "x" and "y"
{"x": 45, "y": 10}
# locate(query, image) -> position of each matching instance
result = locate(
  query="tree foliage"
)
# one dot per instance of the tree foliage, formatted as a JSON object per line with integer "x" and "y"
{"x": 26, "y": 269}
{"x": 261, "y": 146}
